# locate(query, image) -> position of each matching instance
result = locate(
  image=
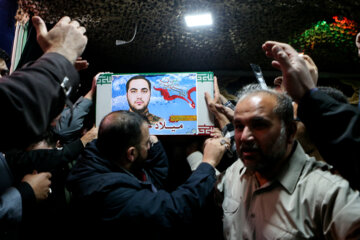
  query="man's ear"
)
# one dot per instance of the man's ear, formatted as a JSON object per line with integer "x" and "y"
{"x": 131, "y": 154}
{"x": 291, "y": 131}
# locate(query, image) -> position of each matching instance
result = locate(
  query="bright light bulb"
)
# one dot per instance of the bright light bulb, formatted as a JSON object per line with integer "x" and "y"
{"x": 198, "y": 20}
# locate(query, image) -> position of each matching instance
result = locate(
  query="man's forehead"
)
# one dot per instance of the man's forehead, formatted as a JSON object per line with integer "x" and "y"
{"x": 138, "y": 83}
{"x": 257, "y": 103}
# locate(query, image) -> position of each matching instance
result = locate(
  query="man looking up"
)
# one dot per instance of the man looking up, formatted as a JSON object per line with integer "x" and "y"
{"x": 275, "y": 190}
{"x": 138, "y": 93}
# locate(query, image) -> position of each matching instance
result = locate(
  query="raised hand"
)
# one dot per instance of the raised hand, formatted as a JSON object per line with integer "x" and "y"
{"x": 212, "y": 104}
{"x": 357, "y": 42}
{"x": 66, "y": 37}
{"x": 297, "y": 79}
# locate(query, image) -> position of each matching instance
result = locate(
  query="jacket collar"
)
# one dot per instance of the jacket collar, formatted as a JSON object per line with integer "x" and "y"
{"x": 291, "y": 171}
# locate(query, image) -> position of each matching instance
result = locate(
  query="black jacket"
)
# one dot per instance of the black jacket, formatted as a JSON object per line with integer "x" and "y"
{"x": 335, "y": 129}
{"x": 116, "y": 203}
{"x": 51, "y": 216}
{"x": 31, "y": 98}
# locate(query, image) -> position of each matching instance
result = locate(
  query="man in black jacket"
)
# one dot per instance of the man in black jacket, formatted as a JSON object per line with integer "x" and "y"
{"x": 118, "y": 183}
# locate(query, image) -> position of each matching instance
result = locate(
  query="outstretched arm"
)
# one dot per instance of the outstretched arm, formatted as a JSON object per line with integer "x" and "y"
{"x": 32, "y": 96}
{"x": 333, "y": 126}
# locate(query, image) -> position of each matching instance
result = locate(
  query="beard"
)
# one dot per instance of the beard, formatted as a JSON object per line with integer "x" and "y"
{"x": 140, "y": 111}
{"x": 266, "y": 163}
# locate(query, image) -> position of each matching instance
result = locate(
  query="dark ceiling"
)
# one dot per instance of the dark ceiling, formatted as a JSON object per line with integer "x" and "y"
{"x": 163, "y": 43}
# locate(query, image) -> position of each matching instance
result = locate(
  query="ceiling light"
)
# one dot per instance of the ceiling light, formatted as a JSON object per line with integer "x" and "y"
{"x": 198, "y": 20}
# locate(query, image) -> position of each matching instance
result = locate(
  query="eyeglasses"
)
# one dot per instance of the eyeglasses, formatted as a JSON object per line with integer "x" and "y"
{"x": 4, "y": 72}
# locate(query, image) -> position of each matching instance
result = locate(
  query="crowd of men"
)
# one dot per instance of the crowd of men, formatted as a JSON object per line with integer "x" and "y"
{"x": 272, "y": 190}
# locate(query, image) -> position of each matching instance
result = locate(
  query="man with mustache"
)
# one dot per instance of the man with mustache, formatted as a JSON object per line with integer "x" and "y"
{"x": 138, "y": 93}
{"x": 275, "y": 190}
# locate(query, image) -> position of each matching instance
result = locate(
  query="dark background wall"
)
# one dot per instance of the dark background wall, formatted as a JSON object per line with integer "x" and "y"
{"x": 7, "y": 24}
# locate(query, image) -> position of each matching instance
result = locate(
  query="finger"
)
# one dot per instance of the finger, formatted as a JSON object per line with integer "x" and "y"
{"x": 276, "y": 64}
{"x": 207, "y": 141}
{"x": 75, "y": 23}
{"x": 207, "y": 98}
{"x": 268, "y": 54}
{"x": 79, "y": 61}
{"x": 270, "y": 45}
{"x": 229, "y": 113}
{"x": 40, "y": 26}
{"x": 308, "y": 59}
{"x": 64, "y": 20}
{"x": 82, "y": 29}
{"x": 224, "y": 110}
{"x": 281, "y": 56}
{"x": 214, "y": 133}
{"x": 273, "y": 48}
{"x": 85, "y": 38}
{"x": 81, "y": 64}
{"x": 278, "y": 80}
{"x": 97, "y": 76}
{"x": 48, "y": 175}
{"x": 217, "y": 130}
{"x": 216, "y": 90}
{"x": 220, "y": 108}
{"x": 267, "y": 46}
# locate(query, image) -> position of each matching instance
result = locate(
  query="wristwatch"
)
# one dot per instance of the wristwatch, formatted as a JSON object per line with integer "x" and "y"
{"x": 229, "y": 104}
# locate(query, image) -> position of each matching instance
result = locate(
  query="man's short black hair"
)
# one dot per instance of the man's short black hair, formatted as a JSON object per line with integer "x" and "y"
{"x": 4, "y": 56}
{"x": 136, "y": 78}
{"x": 118, "y": 131}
